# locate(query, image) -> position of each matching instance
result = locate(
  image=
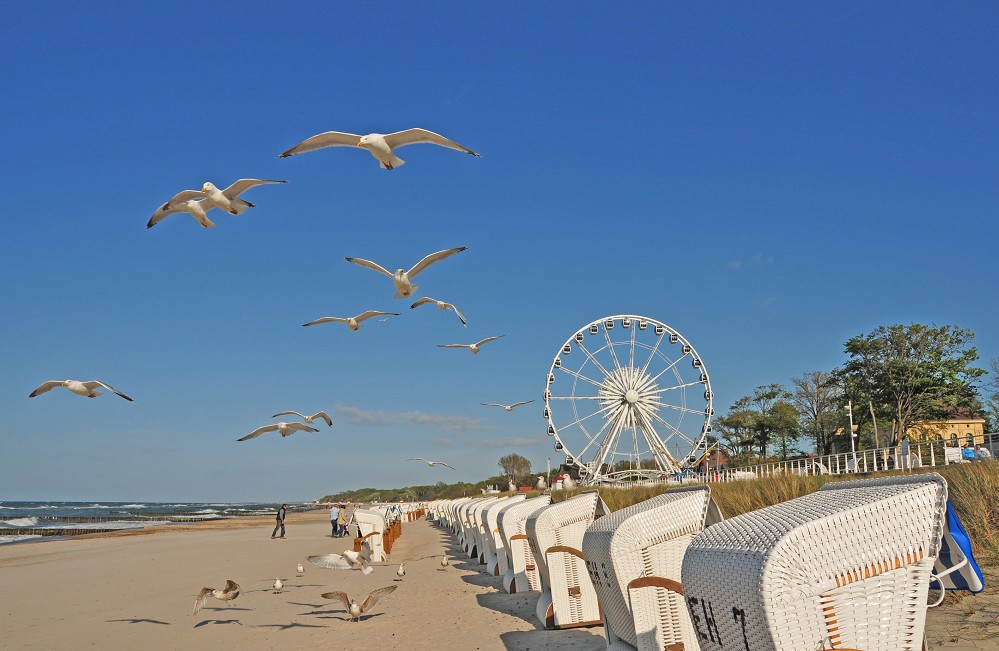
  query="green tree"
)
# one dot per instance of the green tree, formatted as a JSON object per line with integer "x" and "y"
{"x": 911, "y": 373}
{"x": 992, "y": 397}
{"x": 756, "y": 422}
{"x": 515, "y": 467}
{"x": 817, "y": 399}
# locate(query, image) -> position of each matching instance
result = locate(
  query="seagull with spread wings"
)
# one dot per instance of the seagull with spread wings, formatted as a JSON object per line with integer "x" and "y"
{"x": 352, "y": 606}
{"x": 87, "y": 389}
{"x": 380, "y": 145}
{"x": 441, "y": 305}
{"x": 348, "y": 560}
{"x": 226, "y": 594}
{"x": 402, "y": 279}
{"x": 286, "y": 429}
{"x": 506, "y": 407}
{"x": 431, "y": 463}
{"x": 199, "y": 202}
{"x": 354, "y": 322}
{"x": 474, "y": 348}
{"x": 307, "y": 419}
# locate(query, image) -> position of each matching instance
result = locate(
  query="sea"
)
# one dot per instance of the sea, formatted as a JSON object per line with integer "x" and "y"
{"x": 37, "y": 521}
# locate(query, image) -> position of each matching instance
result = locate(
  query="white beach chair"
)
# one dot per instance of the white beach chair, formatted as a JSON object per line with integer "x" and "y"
{"x": 464, "y": 525}
{"x": 370, "y": 526}
{"x": 847, "y": 567}
{"x": 633, "y": 557}
{"x": 478, "y": 521}
{"x": 555, "y": 535}
{"x": 521, "y": 572}
{"x": 496, "y": 547}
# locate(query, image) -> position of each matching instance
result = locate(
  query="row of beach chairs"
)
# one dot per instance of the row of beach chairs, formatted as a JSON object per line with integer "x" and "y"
{"x": 848, "y": 567}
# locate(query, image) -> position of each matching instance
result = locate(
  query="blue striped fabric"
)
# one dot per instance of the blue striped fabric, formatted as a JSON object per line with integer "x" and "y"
{"x": 955, "y": 549}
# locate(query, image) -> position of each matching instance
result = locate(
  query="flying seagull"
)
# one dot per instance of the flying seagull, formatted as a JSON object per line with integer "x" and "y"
{"x": 431, "y": 463}
{"x": 286, "y": 429}
{"x": 307, "y": 419}
{"x": 352, "y": 607}
{"x": 402, "y": 279}
{"x": 474, "y": 348}
{"x": 87, "y": 388}
{"x": 226, "y": 594}
{"x": 348, "y": 560}
{"x": 507, "y": 407}
{"x": 441, "y": 305}
{"x": 199, "y": 202}
{"x": 354, "y": 322}
{"x": 380, "y": 145}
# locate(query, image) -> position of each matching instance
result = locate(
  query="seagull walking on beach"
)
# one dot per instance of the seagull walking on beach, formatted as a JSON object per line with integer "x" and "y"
{"x": 286, "y": 429}
{"x": 300, "y": 569}
{"x": 355, "y": 609}
{"x": 307, "y": 419}
{"x": 354, "y": 322}
{"x": 348, "y": 560}
{"x": 278, "y": 585}
{"x": 444, "y": 562}
{"x": 431, "y": 463}
{"x": 402, "y": 279}
{"x": 226, "y": 594}
{"x": 441, "y": 305}
{"x": 87, "y": 389}
{"x": 401, "y": 572}
{"x": 506, "y": 407}
{"x": 199, "y": 202}
{"x": 474, "y": 348}
{"x": 381, "y": 146}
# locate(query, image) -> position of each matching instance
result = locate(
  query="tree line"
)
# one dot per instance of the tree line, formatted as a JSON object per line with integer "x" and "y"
{"x": 893, "y": 378}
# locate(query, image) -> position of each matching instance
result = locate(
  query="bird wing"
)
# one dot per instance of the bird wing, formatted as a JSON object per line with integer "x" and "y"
{"x": 46, "y": 386}
{"x": 93, "y": 384}
{"x": 517, "y": 404}
{"x": 371, "y": 265}
{"x": 230, "y": 586}
{"x": 325, "y": 416}
{"x": 441, "y": 463}
{"x": 301, "y": 426}
{"x": 202, "y": 599}
{"x": 421, "y": 301}
{"x": 257, "y": 432}
{"x": 331, "y": 562}
{"x": 453, "y": 345}
{"x": 491, "y": 404}
{"x": 339, "y": 596}
{"x": 373, "y": 598}
{"x": 418, "y": 459}
{"x": 183, "y": 197}
{"x": 323, "y": 140}
{"x": 288, "y": 413}
{"x": 168, "y": 209}
{"x": 432, "y": 258}
{"x": 242, "y": 185}
{"x": 461, "y": 316}
{"x": 326, "y": 319}
{"x": 370, "y": 313}
{"x": 418, "y": 136}
{"x": 488, "y": 339}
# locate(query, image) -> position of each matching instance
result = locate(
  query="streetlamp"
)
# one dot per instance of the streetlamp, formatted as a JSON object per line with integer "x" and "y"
{"x": 853, "y": 447}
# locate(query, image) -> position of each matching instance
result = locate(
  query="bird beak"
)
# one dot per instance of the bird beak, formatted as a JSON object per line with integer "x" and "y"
{"x": 360, "y": 143}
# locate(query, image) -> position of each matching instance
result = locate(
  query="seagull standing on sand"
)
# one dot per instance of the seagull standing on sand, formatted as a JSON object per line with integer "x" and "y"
{"x": 278, "y": 585}
{"x": 286, "y": 429}
{"x": 352, "y": 607}
{"x": 307, "y": 419}
{"x": 474, "y": 348}
{"x": 441, "y": 305}
{"x": 300, "y": 570}
{"x": 199, "y": 202}
{"x": 402, "y": 279}
{"x": 431, "y": 463}
{"x": 348, "y": 560}
{"x": 401, "y": 572}
{"x": 444, "y": 562}
{"x": 354, "y": 322}
{"x": 226, "y": 594}
{"x": 380, "y": 145}
{"x": 506, "y": 407}
{"x": 87, "y": 389}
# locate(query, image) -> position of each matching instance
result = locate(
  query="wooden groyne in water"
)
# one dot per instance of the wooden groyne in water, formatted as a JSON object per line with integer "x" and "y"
{"x": 51, "y": 531}
{"x": 158, "y": 517}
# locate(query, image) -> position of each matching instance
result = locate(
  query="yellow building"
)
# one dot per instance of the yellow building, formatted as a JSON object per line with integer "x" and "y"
{"x": 956, "y": 431}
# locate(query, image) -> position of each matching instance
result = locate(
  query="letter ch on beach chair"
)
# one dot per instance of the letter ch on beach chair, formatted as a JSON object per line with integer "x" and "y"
{"x": 556, "y": 535}
{"x": 521, "y": 572}
{"x": 495, "y": 546}
{"x": 633, "y": 557}
{"x": 847, "y": 567}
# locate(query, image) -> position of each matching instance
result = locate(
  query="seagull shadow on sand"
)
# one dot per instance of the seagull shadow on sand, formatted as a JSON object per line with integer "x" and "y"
{"x": 343, "y": 616}
{"x": 139, "y": 620}
{"x": 217, "y": 621}
{"x": 285, "y": 627}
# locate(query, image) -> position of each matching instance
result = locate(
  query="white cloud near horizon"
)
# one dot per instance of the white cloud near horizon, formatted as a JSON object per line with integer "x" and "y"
{"x": 461, "y": 424}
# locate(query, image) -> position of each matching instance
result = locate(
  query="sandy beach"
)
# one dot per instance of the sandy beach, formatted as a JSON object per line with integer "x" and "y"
{"x": 136, "y": 589}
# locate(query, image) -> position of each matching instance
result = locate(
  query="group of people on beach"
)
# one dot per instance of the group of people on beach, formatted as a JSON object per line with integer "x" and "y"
{"x": 338, "y": 520}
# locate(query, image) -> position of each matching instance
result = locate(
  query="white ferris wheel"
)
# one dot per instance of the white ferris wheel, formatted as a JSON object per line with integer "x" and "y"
{"x": 627, "y": 397}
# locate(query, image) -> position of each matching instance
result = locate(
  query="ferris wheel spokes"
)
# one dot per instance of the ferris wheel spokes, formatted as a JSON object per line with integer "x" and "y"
{"x": 592, "y": 358}
{"x": 580, "y": 376}
{"x": 610, "y": 349}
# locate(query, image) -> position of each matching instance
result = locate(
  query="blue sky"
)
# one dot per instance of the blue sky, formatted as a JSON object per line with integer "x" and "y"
{"x": 769, "y": 180}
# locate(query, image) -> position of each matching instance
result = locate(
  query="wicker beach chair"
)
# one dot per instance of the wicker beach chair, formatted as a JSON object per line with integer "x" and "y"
{"x": 478, "y": 520}
{"x": 465, "y": 527}
{"x": 370, "y": 526}
{"x": 521, "y": 572}
{"x": 633, "y": 557}
{"x": 495, "y": 545}
{"x": 847, "y": 567}
{"x": 555, "y": 535}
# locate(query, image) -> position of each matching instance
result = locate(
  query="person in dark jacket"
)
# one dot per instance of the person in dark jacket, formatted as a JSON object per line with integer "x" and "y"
{"x": 281, "y": 512}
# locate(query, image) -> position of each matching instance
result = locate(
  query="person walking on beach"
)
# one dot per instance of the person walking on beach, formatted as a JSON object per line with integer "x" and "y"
{"x": 334, "y": 515}
{"x": 341, "y": 522}
{"x": 281, "y": 512}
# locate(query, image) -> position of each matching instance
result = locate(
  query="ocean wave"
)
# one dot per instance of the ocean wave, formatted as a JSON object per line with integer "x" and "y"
{"x": 19, "y": 522}
{"x": 205, "y": 512}
{"x": 132, "y": 506}
{"x": 13, "y": 539}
